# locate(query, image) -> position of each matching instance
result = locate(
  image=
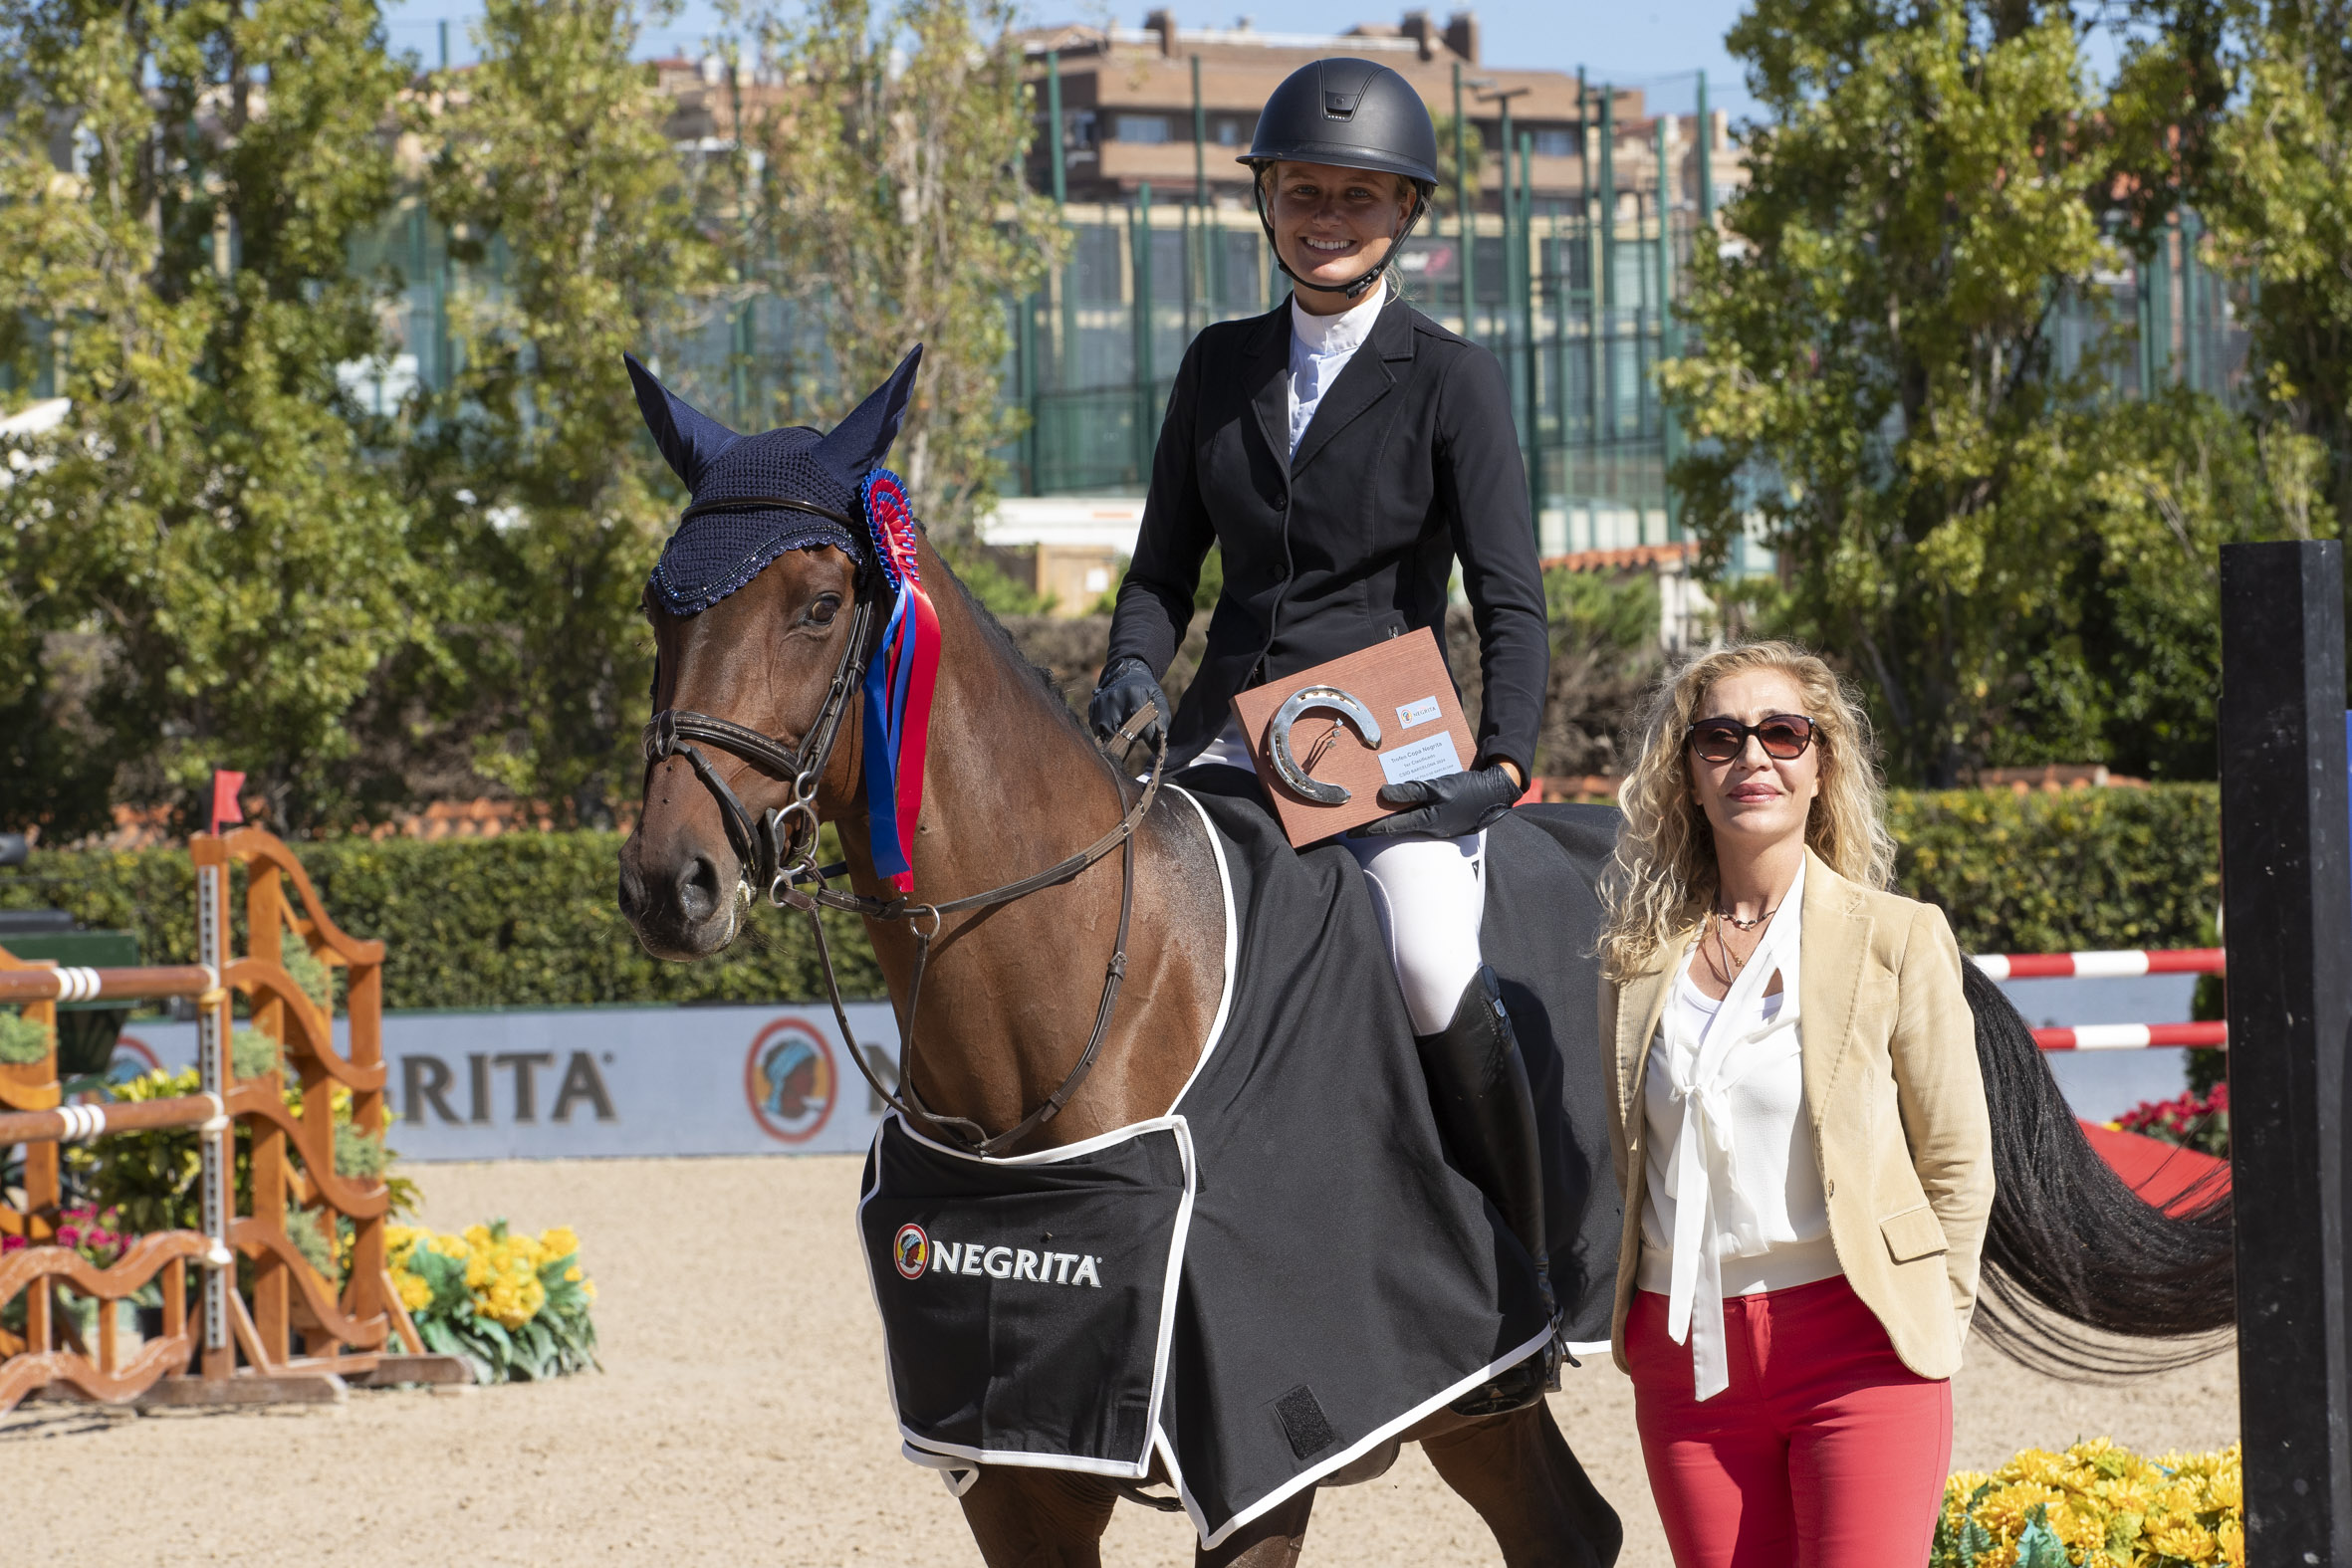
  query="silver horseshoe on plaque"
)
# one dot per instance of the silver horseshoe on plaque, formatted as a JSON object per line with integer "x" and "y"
{"x": 1278, "y": 738}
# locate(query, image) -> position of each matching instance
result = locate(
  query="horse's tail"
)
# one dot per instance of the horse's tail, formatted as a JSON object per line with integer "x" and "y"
{"x": 2083, "y": 1277}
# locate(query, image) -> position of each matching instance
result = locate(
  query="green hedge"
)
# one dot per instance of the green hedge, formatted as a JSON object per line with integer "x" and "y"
{"x": 521, "y": 920}
{"x": 2048, "y": 872}
{"x": 529, "y": 918}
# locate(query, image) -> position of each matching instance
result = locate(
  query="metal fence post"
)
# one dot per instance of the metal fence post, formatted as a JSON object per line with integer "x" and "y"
{"x": 2286, "y": 885}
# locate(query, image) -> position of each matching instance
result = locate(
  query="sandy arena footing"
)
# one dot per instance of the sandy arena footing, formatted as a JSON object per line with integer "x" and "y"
{"x": 741, "y": 1421}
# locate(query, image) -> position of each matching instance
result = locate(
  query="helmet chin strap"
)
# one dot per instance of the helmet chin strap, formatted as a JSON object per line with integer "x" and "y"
{"x": 1355, "y": 286}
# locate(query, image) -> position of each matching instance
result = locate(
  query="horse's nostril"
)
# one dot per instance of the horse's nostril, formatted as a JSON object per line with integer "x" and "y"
{"x": 699, "y": 889}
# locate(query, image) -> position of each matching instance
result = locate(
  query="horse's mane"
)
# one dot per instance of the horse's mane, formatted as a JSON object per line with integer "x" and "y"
{"x": 1011, "y": 652}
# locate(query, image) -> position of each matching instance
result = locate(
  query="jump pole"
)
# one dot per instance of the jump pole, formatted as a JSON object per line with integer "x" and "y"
{"x": 2287, "y": 892}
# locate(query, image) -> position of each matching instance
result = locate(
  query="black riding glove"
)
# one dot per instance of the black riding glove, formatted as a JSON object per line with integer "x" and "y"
{"x": 1454, "y": 806}
{"x": 1125, "y": 687}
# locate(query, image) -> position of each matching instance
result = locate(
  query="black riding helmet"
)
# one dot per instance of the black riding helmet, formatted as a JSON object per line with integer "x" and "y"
{"x": 1354, "y": 114}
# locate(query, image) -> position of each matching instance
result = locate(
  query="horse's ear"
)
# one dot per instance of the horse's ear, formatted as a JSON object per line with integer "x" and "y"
{"x": 688, "y": 438}
{"x": 859, "y": 443}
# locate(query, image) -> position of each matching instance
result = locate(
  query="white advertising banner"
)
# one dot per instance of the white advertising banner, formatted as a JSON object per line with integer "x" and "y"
{"x": 591, "y": 1082}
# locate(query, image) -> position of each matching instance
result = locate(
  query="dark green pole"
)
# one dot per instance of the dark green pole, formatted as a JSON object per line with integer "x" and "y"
{"x": 1146, "y": 374}
{"x": 1200, "y": 201}
{"x": 1465, "y": 207}
{"x": 1511, "y": 260}
{"x": 1527, "y": 328}
{"x": 1604, "y": 284}
{"x": 1064, "y": 340}
{"x": 1667, "y": 344}
{"x": 1054, "y": 130}
{"x": 1591, "y": 239}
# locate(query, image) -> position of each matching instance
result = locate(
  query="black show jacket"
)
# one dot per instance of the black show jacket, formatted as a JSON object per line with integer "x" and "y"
{"x": 1411, "y": 460}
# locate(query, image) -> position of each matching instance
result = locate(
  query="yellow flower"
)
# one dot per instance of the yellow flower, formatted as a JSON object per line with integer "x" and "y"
{"x": 2003, "y": 1510}
{"x": 571, "y": 1276}
{"x": 415, "y": 1294}
{"x": 559, "y": 1243}
{"x": 2233, "y": 1543}
{"x": 2185, "y": 1538}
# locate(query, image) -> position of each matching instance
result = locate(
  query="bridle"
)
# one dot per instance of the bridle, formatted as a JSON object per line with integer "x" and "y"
{"x": 780, "y": 847}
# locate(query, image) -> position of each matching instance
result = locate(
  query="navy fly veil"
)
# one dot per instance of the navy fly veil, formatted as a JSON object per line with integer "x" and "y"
{"x": 734, "y": 525}
{"x": 756, "y": 497}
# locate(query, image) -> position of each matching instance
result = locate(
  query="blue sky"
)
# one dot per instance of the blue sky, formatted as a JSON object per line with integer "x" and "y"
{"x": 1658, "y": 45}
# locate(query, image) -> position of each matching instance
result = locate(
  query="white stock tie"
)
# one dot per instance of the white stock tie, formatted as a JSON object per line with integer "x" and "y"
{"x": 1713, "y": 1219}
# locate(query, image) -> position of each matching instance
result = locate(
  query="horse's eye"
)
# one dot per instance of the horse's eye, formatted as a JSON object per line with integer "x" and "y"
{"x": 821, "y": 612}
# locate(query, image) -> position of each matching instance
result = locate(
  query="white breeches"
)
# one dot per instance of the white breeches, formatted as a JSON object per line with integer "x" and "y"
{"x": 1430, "y": 894}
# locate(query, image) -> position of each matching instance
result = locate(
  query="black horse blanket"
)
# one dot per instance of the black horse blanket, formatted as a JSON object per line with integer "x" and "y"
{"x": 1336, "y": 1280}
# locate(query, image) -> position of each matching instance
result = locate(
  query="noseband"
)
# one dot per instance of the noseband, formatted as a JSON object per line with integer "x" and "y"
{"x": 780, "y": 848}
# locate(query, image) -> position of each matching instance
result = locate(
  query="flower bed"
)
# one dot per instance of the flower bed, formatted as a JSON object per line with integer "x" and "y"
{"x": 2096, "y": 1505}
{"x": 2193, "y": 1121}
{"x": 511, "y": 1305}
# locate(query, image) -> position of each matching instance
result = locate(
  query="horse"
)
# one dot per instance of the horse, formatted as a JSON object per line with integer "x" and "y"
{"x": 1010, "y": 991}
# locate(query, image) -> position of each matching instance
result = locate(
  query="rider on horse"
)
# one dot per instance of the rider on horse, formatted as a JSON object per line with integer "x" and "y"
{"x": 1343, "y": 452}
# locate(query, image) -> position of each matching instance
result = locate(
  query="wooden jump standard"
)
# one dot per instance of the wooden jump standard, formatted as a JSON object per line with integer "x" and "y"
{"x": 347, "y": 1337}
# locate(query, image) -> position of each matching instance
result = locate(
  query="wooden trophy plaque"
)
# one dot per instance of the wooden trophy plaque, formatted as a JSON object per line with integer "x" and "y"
{"x": 1308, "y": 734}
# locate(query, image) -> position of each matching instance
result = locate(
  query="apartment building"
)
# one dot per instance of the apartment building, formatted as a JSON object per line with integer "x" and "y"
{"x": 1172, "y": 107}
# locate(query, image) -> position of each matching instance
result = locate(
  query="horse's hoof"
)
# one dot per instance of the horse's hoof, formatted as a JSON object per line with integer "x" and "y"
{"x": 1513, "y": 1388}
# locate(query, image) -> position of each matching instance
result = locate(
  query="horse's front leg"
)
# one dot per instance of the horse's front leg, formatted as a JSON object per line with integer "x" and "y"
{"x": 1026, "y": 1519}
{"x": 1521, "y": 1476}
{"x": 1271, "y": 1540}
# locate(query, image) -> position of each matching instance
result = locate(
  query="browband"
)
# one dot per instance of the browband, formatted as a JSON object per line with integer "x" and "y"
{"x": 761, "y": 503}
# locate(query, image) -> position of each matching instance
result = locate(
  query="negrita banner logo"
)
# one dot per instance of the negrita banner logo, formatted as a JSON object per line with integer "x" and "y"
{"x": 791, "y": 1080}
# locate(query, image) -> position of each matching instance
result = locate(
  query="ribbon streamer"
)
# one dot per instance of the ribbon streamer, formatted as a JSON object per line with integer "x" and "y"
{"x": 898, "y": 685}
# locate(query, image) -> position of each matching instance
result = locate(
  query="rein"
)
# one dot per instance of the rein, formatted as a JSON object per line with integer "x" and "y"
{"x": 781, "y": 848}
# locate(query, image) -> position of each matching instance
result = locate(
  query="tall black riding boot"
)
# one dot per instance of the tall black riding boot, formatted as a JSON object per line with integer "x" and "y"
{"x": 1477, "y": 1084}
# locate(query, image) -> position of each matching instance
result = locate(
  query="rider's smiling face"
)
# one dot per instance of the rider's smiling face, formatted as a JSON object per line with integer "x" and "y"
{"x": 1754, "y": 798}
{"x": 1333, "y": 225}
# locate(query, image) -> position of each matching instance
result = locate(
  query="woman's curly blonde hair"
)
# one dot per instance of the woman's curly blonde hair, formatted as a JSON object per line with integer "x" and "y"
{"x": 1663, "y": 876}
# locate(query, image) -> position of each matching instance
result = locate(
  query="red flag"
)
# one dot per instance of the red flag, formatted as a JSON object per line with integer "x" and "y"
{"x": 225, "y": 808}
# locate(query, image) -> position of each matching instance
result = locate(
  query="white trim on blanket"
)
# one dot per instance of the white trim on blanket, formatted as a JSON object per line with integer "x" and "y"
{"x": 1232, "y": 945}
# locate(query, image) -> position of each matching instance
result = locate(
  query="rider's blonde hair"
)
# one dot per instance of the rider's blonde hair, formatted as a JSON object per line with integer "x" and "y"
{"x": 1663, "y": 876}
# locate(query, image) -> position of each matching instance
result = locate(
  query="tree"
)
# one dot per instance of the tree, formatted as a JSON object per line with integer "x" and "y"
{"x": 1967, "y": 514}
{"x": 892, "y": 202}
{"x": 578, "y": 227}
{"x": 2278, "y": 195}
{"x": 204, "y": 564}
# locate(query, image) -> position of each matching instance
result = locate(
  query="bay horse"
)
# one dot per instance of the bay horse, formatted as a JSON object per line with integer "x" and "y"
{"x": 1010, "y": 991}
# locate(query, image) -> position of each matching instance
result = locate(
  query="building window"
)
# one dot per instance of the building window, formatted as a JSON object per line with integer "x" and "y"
{"x": 1557, "y": 142}
{"x": 1149, "y": 128}
{"x": 1081, "y": 134}
{"x": 1229, "y": 132}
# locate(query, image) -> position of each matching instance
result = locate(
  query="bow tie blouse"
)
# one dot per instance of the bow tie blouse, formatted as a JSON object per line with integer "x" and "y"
{"x": 1731, "y": 1174}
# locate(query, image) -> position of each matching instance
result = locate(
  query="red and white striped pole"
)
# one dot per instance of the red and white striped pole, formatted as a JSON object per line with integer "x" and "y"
{"x": 2120, "y": 963}
{"x": 2115, "y": 964}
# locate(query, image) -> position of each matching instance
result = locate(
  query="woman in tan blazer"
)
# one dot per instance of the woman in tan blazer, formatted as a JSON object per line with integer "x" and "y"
{"x": 1798, "y": 1127}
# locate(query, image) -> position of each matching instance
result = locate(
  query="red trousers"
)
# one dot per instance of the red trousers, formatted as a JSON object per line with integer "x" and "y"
{"x": 1826, "y": 1451}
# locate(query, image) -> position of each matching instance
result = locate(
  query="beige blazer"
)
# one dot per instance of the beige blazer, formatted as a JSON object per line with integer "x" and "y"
{"x": 1888, "y": 1053}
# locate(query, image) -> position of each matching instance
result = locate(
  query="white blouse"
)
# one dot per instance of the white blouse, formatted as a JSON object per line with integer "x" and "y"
{"x": 1731, "y": 1174}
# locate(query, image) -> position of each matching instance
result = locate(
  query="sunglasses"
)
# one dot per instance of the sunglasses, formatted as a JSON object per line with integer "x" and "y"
{"x": 1784, "y": 737}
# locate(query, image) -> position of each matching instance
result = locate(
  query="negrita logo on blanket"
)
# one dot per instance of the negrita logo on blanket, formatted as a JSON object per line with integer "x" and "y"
{"x": 916, "y": 1253}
